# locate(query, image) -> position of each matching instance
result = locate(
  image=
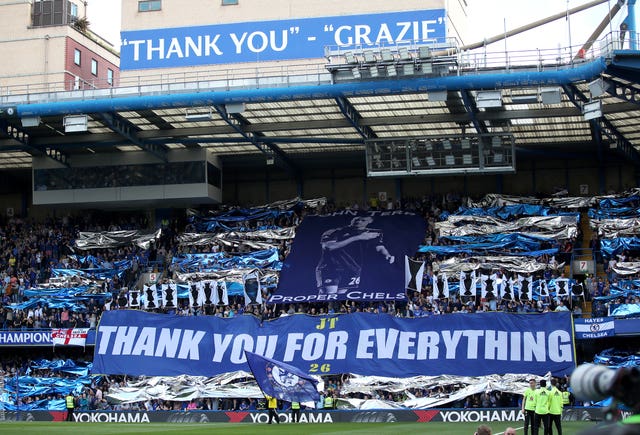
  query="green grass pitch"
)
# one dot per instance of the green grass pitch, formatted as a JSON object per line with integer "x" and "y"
{"x": 63, "y": 428}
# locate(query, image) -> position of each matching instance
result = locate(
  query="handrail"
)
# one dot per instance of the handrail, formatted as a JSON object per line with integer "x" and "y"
{"x": 269, "y": 76}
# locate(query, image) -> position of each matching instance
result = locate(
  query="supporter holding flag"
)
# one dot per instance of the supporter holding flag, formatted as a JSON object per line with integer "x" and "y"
{"x": 281, "y": 380}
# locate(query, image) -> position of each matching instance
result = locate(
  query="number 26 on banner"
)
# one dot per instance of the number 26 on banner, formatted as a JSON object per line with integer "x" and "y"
{"x": 322, "y": 368}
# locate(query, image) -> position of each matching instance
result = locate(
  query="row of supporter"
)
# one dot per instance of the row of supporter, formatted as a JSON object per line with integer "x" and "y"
{"x": 42, "y": 384}
{"x": 522, "y": 240}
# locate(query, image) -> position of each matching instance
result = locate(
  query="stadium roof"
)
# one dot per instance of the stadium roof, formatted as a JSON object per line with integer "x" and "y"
{"x": 304, "y": 119}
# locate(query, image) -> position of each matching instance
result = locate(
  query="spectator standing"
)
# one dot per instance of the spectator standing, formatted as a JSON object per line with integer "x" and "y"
{"x": 555, "y": 408}
{"x": 70, "y": 403}
{"x": 272, "y": 405}
{"x": 529, "y": 407}
{"x": 542, "y": 408}
{"x": 295, "y": 412}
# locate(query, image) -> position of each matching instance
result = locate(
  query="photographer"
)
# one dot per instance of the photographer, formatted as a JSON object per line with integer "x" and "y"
{"x": 593, "y": 382}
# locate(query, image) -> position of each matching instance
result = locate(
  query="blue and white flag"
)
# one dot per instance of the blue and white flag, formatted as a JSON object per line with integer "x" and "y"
{"x": 468, "y": 284}
{"x": 169, "y": 296}
{"x": 252, "y": 289}
{"x": 413, "y": 274}
{"x": 281, "y": 380}
{"x": 441, "y": 286}
{"x": 594, "y": 327}
{"x": 525, "y": 284}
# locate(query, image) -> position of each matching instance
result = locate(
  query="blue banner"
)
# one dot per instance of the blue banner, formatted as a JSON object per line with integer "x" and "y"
{"x": 349, "y": 255}
{"x": 614, "y": 213}
{"x": 595, "y": 327}
{"x": 36, "y": 337}
{"x": 140, "y": 343}
{"x": 26, "y": 338}
{"x": 506, "y": 211}
{"x": 215, "y": 261}
{"x": 618, "y": 202}
{"x": 611, "y": 247}
{"x": 283, "y": 381}
{"x": 300, "y": 38}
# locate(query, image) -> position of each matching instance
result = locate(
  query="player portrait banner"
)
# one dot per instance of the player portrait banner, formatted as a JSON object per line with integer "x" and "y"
{"x": 135, "y": 342}
{"x": 283, "y": 381}
{"x": 350, "y": 255}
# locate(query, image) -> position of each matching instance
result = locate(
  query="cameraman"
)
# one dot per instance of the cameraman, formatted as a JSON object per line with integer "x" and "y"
{"x": 594, "y": 382}
{"x": 628, "y": 426}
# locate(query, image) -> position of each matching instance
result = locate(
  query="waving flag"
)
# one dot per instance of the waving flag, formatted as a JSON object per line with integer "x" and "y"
{"x": 441, "y": 286}
{"x": 252, "y": 290}
{"x": 281, "y": 380}
{"x": 413, "y": 273}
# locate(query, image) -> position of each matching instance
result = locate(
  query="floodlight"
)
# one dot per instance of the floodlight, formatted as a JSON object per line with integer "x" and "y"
{"x": 350, "y": 57}
{"x": 235, "y": 107}
{"x": 30, "y": 121}
{"x": 437, "y": 95}
{"x": 386, "y": 55}
{"x": 75, "y": 123}
{"x": 369, "y": 56}
{"x": 404, "y": 53}
{"x": 598, "y": 87}
{"x": 551, "y": 95}
{"x": 592, "y": 110}
{"x": 392, "y": 71}
{"x": 424, "y": 52}
{"x": 408, "y": 69}
{"x": 486, "y": 99}
{"x": 198, "y": 116}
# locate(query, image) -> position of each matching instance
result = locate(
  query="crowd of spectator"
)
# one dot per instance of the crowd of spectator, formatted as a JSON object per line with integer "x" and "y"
{"x": 31, "y": 251}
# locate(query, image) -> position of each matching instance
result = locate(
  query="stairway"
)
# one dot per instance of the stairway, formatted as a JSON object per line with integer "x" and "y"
{"x": 2, "y": 414}
{"x": 587, "y": 232}
{"x": 586, "y": 254}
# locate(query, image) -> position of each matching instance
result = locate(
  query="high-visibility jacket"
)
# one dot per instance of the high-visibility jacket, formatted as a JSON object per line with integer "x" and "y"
{"x": 542, "y": 401}
{"x": 555, "y": 402}
{"x": 328, "y": 402}
{"x": 272, "y": 402}
{"x": 295, "y": 405}
{"x": 565, "y": 398}
{"x": 530, "y": 399}
{"x": 69, "y": 400}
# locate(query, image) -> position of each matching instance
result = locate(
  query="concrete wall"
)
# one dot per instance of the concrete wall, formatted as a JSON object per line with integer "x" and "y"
{"x": 348, "y": 186}
{"x": 39, "y": 56}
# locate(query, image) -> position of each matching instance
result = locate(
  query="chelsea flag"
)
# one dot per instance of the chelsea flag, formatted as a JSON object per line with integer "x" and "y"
{"x": 283, "y": 381}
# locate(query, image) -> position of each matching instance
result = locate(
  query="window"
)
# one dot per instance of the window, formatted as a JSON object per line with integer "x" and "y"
{"x": 109, "y": 76}
{"x": 149, "y": 5}
{"x": 74, "y": 10}
{"x": 76, "y": 56}
{"x": 229, "y": 2}
{"x": 94, "y": 67}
